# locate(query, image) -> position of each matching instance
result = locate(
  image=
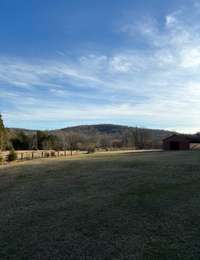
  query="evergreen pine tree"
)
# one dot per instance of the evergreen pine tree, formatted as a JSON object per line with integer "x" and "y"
{"x": 2, "y": 134}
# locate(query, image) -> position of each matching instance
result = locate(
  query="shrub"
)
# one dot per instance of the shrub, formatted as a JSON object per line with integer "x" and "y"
{"x": 53, "y": 154}
{"x": 91, "y": 149}
{"x": 12, "y": 155}
{"x": 1, "y": 158}
{"x": 46, "y": 154}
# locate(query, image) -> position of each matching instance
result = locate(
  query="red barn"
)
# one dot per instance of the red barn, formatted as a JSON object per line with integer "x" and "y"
{"x": 177, "y": 142}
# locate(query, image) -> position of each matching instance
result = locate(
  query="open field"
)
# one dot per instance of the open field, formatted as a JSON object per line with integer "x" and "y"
{"x": 116, "y": 206}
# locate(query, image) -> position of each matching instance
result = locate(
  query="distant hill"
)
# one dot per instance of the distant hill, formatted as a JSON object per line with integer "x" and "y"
{"x": 110, "y": 129}
{"x": 109, "y": 133}
{"x": 113, "y": 131}
{"x": 26, "y": 131}
{"x": 98, "y": 129}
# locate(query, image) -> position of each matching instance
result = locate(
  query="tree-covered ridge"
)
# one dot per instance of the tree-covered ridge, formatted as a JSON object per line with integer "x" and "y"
{"x": 88, "y": 137}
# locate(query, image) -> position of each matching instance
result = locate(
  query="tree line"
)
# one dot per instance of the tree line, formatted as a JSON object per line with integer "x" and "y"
{"x": 3, "y": 135}
{"x": 135, "y": 138}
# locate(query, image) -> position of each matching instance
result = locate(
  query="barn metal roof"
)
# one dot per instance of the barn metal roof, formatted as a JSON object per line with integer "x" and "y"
{"x": 191, "y": 138}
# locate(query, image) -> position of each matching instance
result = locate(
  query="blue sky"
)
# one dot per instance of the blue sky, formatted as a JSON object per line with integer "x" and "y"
{"x": 77, "y": 62}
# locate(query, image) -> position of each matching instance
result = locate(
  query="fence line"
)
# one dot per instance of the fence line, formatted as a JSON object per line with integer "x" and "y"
{"x": 31, "y": 155}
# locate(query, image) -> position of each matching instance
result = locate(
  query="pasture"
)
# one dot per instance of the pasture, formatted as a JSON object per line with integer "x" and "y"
{"x": 102, "y": 206}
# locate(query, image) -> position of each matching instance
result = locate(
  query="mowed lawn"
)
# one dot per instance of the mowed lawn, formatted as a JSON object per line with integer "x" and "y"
{"x": 114, "y": 206}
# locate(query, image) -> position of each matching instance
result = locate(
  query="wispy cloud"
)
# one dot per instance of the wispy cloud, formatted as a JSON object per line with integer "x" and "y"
{"x": 158, "y": 85}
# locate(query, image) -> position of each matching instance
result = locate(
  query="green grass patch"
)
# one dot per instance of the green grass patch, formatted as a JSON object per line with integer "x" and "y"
{"x": 116, "y": 206}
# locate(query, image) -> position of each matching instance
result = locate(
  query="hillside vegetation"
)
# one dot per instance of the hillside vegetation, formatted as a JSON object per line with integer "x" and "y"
{"x": 88, "y": 137}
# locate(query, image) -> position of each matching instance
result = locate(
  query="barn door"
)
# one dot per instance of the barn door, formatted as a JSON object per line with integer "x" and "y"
{"x": 174, "y": 146}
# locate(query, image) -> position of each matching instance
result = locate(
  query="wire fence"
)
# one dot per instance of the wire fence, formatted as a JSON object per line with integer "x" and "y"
{"x": 31, "y": 155}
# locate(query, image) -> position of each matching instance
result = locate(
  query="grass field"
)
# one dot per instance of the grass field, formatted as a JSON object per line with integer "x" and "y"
{"x": 116, "y": 206}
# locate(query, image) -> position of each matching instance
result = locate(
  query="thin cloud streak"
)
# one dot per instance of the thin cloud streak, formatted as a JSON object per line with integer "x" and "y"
{"x": 160, "y": 84}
